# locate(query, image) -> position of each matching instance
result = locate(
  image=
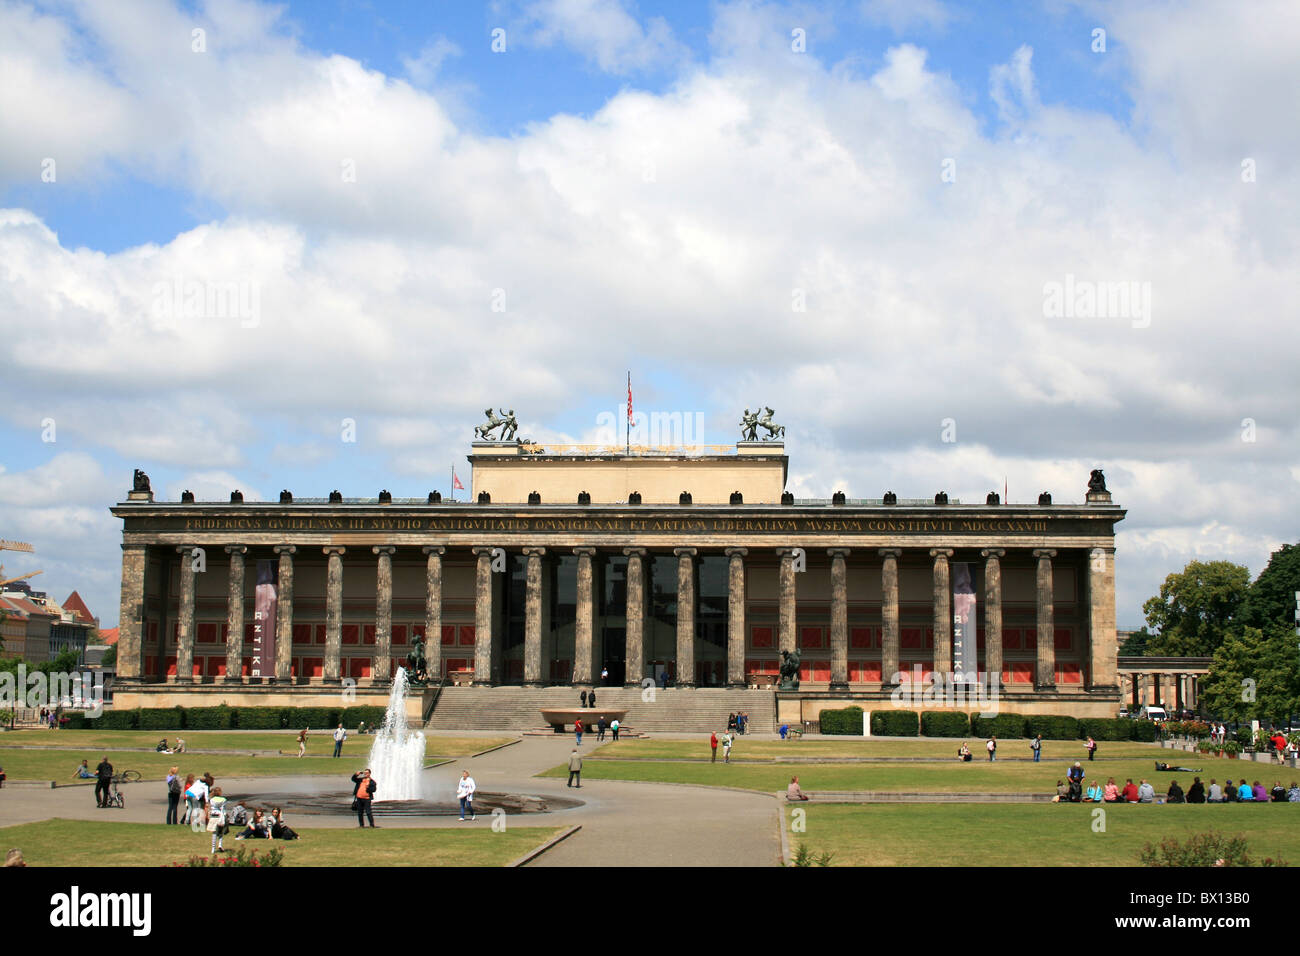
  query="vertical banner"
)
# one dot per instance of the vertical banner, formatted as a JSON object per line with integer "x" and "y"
{"x": 965, "y": 661}
{"x": 264, "y": 621}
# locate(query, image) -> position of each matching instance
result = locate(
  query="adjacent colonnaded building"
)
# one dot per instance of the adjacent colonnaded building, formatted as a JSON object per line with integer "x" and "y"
{"x": 569, "y": 561}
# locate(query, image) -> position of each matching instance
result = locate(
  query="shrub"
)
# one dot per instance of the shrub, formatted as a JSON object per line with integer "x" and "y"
{"x": 113, "y": 719}
{"x": 895, "y": 723}
{"x": 373, "y": 716}
{"x": 300, "y": 717}
{"x": 1052, "y": 726}
{"x": 1143, "y": 731}
{"x": 262, "y": 718}
{"x": 161, "y": 718}
{"x": 1202, "y": 849}
{"x": 220, "y": 717}
{"x": 846, "y": 721}
{"x": 1001, "y": 725}
{"x": 241, "y": 857}
{"x": 945, "y": 723}
{"x": 1106, "y": 728}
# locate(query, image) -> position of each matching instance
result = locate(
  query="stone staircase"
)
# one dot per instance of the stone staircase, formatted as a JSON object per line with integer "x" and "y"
{"x": 674, "y": 710}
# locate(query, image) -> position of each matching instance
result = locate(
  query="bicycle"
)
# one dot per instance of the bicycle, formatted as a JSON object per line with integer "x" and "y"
{"x": 116, "y": 798}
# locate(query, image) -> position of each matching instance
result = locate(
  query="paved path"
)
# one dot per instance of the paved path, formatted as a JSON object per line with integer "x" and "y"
{"x": 623, "y": 823}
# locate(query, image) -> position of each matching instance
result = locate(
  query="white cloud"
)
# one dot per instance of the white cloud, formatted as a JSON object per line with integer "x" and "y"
{"x": 606, "y": 32}
{"x": 901, "y": 15}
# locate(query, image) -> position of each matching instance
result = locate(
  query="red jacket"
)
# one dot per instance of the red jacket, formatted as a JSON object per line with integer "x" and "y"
{"x": 1131, "y": 793}
{"x": 713, "y": 741}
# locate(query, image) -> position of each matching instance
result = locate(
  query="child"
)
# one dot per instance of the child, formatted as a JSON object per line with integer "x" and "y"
{"x": 217, "y": 819}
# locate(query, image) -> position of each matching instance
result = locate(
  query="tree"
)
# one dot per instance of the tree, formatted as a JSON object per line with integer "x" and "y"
{"x": 1271, "y": 599}
{"x": 1255, "y": 675}
{"x": 110, "y": 657}
{"x": 1194, "y": 608}
{"x": 1135, "y": 645}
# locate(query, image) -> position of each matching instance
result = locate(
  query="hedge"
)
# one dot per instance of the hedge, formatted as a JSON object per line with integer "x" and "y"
{"x": 372, "y": 715}
{"x": 1145, "y": 731}
{"x": 161, "y": 718}
{"x": 1106, "y": 728}
{"x": 227, "y": 718}
{"x": 945, "y": 723}
{"x": 894, "y": 723}
{"x": 1053, "y": 726}
{"x": 1001, "y": 725}
{"x": 844, "y": 722}
{"x": 220, "y": 717}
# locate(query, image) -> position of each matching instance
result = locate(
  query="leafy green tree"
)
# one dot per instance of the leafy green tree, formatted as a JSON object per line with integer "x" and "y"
{"x": 1259, "y": 664}
{"x": 1135, "y": 645}
{"x": 1194, "y": 608}
{"x": 110, "y": 657}
{"x": 1271, "y": 599}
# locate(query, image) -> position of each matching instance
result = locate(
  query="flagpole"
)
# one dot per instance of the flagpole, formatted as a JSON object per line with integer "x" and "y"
{"x": 627, "y": 428}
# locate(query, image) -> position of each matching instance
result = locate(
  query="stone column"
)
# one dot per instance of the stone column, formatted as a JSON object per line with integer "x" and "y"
{"x": 942, "y": 612}
{"x": 381, "y": 668}
{"x": 483, "y": 617}
{"x": 533, "y": 617}
{"x": 583, "y": 639}
{"x": 1046, "y": 676}
{"x": 130, "y": 641}
{"x": 787, "y": 638}
{"x": 235, "y": 614}
{"x": 1103, "y": 644}
{"x": 685, "y": 674}
{"x": 433, "y": 609}
{"x": 284, "y": 613}
{"x": 736, "y": 616}
{"x": 1178, "y": 691}
{"x": 185, "y": 621}
{"x": 889, "y": 616}
{"x": 839, "y": 619}
{"x": 333, "y": 615}
{"x": 635, "y": 669}
{"x": 1143, "y": 683}
{"x": 993, "y": 617}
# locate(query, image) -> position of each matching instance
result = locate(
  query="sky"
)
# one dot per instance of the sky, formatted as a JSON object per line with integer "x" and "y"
{"x": 953, "y": 245}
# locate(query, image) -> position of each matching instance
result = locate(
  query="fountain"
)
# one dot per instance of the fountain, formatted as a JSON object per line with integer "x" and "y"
{"x": 397, "y": 755}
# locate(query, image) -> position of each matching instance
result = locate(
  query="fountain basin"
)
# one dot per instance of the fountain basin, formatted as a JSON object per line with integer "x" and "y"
{"x": 561, "y": 717}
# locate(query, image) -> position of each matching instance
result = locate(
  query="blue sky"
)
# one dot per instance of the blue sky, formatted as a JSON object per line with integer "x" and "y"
{"x": 647, "y": 184}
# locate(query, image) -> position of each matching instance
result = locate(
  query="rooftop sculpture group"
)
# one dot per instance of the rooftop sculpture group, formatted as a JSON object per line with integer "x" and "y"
{"x": 750, "y": 423}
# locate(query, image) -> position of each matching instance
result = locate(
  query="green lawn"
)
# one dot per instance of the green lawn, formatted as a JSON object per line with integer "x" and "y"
{"x": 318, "y": 744}
{"x": 61, "y": 842}
{"x": 939, "y": 776}
{"x": 751, "y": 749}
{"x": 1033, "y": 835}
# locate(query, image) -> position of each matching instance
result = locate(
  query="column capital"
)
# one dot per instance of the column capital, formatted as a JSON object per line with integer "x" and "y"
{"x": 1041, "y": 553}
{"x": 890, "y": 552}
{"x": 993, "y": 553}
{"x": 286, "y": 548}
{"x": 186, "y": 548}
{"x": 483, "y": 549}
{"x": 133, "y": 546}
{"x": 235, "y": 549}
{"x": 585, "y": 552}
{"x": 786, "y": 552}
{"x": 941, "y": 552}
{"x": 534, "y": 551}
{"x": 736, "y": 552}
{"x": 838, "y": 552}
{"x": 434, "y": 549}
{"x": 384, "y": 549}
{"x": 333, "y": 549}
{"x": 686, "y": 552}
{"x": 636, "y": 553}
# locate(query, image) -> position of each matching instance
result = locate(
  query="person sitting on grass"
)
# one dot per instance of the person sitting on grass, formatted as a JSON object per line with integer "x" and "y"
{"x": 1196, "y": 792}
{"x": 1279, "y": 792}
{"x": 1174, "y": 793}
{"x": 83, "y": 772}
{"x": 1244, "y": 793}
{"x": 1111, "y": 793}
{"x": 180, "y": 746}
{"x": 1292, "y": 794}
{"x": 1260, "y": 794}
{"x": 793, "y": 792}
{"x": 279, "y": 829}
{"x": 256, "y": 828}
{"x": 162, "y": 747}
{"x": 1094, "y": 794}
{"x": 1131, "y": 794}
{"x": 1062, "y": 792}
{"x": 1146, "y": 792}
{"x": 964, "y": 753}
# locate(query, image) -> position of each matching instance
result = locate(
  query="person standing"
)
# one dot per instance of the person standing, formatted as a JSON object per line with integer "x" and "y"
{"x": 188, "y": 793}
{"x": 577, "y": 729}
{"x": 726, "y": 748}
{"x": 613, "y": 726}
{"x": 217, "y": 819}
{"x": 591, "y": 699}
{"x": 103, "y": 777}
{"x": 200, "y": 789}
{"x": 363, "y": 797}
{"x": 575, "y": 769}
{"x": 302, "y": 741}
{"x": 1036, "y": 745}
{"x": 713, "y": 745}
{"x": 173, "y": 794}
{"x": 465, "y": 794}
{"x": 583, "y": 698}
{"x": 1092, "y": 748}
{"x": 340, "y": 735}
{"x": 992, "y": 748}
{"x": 600, "y": 728}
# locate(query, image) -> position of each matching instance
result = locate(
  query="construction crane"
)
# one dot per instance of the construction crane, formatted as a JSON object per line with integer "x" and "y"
{"x": 21, "y": 577}
{"x": 15, "y": 546}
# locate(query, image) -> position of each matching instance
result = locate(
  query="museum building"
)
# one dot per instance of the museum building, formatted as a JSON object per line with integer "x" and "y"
{"x": 690, "y": 566}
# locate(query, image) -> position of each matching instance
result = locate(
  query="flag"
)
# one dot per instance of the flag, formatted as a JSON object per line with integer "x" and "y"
{"x": 455, "y": 482}
{"x": 629, "y": 398}
{"x": 1006, "y": 495}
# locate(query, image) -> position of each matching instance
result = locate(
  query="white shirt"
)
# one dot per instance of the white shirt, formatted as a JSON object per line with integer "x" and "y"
{"x": 199, "y": 789}
{"x": 465, "y": 788}
{"x": 340, "y": 734}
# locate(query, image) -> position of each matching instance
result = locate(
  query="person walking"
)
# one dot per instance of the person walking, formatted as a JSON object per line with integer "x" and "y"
{"x": 1036, "y": 745}
{"x": 340, "y": 735}
{"x": 1092, "y": 748}
{"x": 600, "y": 728}
{"x": 613, "y": 726}
{"x": 577, "y": 729}
{"x": 363, "y": 796}
{"x": 726, "y": 748}
{"x": 992, "y": 748}
{"x": 465, "y": 794}
{"x": 302, "y": 741}
{"x": 575, "y": 769}
{"x": 217, "y": 819}
{"x": 173, "y": 794}
{"x": 713, "y": 745}
{"x": 104, "y": 776}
